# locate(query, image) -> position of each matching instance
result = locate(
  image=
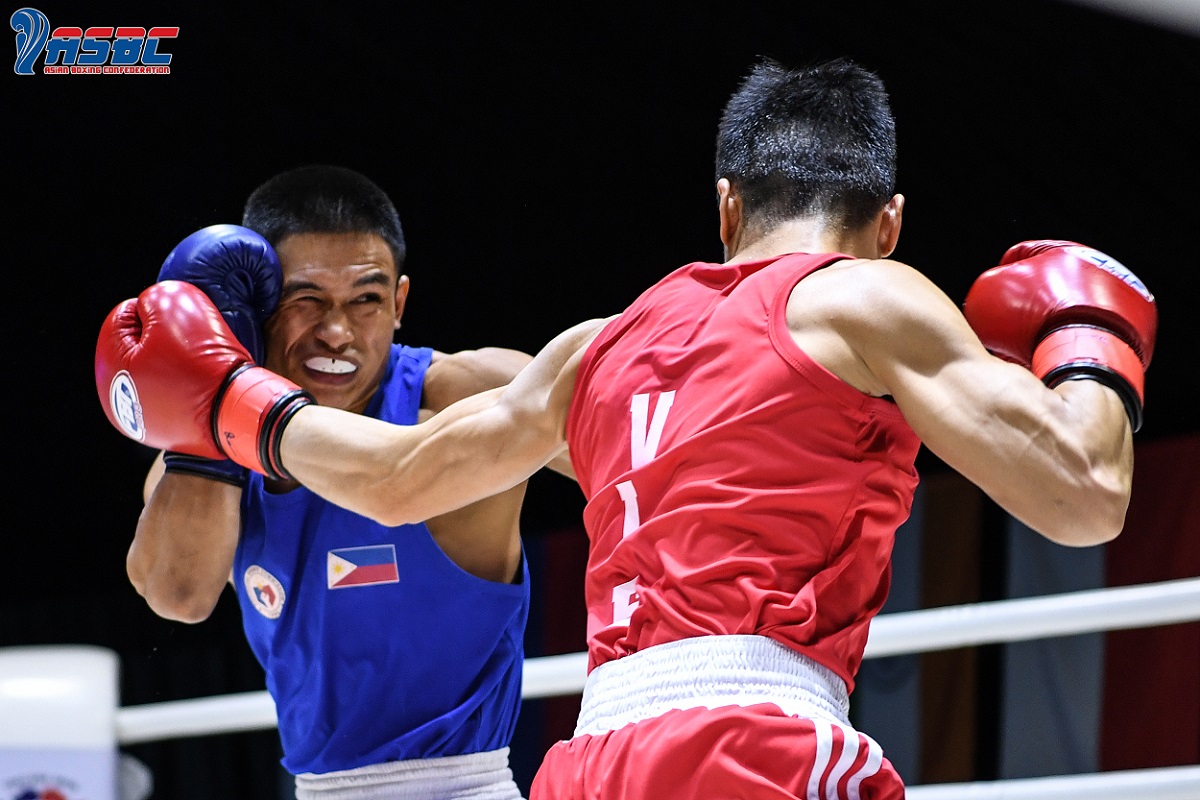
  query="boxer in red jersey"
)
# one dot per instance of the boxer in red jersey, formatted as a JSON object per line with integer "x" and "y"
{"x": 745, "y": 436}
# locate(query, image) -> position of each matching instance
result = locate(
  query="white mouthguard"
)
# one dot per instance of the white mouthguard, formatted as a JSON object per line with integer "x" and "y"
{"x": 330, "y": 366}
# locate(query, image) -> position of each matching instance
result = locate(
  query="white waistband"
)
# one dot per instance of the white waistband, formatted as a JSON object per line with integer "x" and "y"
{"x": 709, "y": 672}
{"x": 476, "y": 776}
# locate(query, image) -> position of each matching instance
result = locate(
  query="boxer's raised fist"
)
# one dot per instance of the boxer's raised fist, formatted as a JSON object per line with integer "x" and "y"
{"x": 170, "y": 374}
{"x": 239, "y": 271}
{"x": 1068, "y": 312}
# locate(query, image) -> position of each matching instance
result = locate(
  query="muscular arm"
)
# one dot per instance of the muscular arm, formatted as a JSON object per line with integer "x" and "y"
{"x": 475, "y": 448}
{"x": 183, "y": 547}
{"x": 454, "y": 376}
{"x": 1059, "y": 460}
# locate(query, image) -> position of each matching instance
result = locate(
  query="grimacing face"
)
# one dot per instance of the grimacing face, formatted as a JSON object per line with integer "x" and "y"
{"x": 338, "y": 311}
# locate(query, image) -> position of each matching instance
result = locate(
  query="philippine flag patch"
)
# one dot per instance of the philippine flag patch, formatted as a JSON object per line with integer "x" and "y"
{"x": 362, "y": 566}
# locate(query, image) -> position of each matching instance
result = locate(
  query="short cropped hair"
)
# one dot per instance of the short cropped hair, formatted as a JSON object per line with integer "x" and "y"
{"x": 323, "y": 198}
{"x": 815, "y": 141}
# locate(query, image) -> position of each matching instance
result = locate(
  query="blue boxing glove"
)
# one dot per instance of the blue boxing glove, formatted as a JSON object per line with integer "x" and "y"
{"x": 239, "y": 271}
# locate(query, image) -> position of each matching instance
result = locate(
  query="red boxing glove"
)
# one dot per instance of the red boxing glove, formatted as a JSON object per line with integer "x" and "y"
{"x": 1068, "y": 312}
{"x": 170, "y": 374}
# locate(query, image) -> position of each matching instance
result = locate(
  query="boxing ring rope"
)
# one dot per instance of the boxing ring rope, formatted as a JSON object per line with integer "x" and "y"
{"x": 1164, "y": 783}
{"x": 943, "y": 628}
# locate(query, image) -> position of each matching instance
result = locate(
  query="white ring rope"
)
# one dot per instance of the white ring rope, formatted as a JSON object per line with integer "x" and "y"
{"x": 1091, "y": 611}
{"x": 1162, "y": 783}
{"x": 891, "y": 634}
{"x": 1035, "y": 618}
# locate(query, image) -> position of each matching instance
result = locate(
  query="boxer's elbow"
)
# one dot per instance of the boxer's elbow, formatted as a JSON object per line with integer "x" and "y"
{"x": 168, "y": 596}
{"x": 179, "y": 603}
{"x": 1091, "y": 509}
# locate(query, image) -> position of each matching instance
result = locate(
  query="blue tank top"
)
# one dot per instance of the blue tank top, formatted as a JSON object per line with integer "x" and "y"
{"x": 376, "y": 646}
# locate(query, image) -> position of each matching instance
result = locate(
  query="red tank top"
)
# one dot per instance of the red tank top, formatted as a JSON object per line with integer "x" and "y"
{"x": 733, "y": 485}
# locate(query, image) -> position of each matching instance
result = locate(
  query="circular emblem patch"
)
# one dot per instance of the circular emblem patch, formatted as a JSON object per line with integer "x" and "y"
{"x": 123, "y": 399}
{"x": 265, "y": 591}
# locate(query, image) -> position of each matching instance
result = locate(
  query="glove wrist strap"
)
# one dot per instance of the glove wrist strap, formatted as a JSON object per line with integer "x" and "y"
{"x": 252, "y": 410}
{"x": 222, "y": 470}
{"x": 1083, "y": 352}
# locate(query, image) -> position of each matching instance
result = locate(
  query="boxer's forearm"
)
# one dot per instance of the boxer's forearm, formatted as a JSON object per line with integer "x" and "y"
{"x": 403, "y": 474}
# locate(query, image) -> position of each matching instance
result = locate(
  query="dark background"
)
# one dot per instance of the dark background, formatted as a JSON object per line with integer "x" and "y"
{"x": 549, "y": 162}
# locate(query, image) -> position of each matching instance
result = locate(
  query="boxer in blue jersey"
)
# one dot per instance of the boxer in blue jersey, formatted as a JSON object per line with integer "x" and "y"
{"x": 393, "y": 654}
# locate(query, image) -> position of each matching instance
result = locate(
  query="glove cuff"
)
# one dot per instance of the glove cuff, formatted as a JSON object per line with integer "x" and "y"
{"x": 252, "y": 410}
{"x": 1083, "y": 352}
{"x": 222, "y": 470}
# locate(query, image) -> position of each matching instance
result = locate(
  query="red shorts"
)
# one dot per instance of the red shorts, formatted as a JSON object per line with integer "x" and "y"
{"x": 749, "y": 753}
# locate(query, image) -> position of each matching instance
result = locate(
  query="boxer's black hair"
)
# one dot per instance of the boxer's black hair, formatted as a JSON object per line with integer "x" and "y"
{"x": 324, "y": 198}
{"x": 819, "y": 140}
